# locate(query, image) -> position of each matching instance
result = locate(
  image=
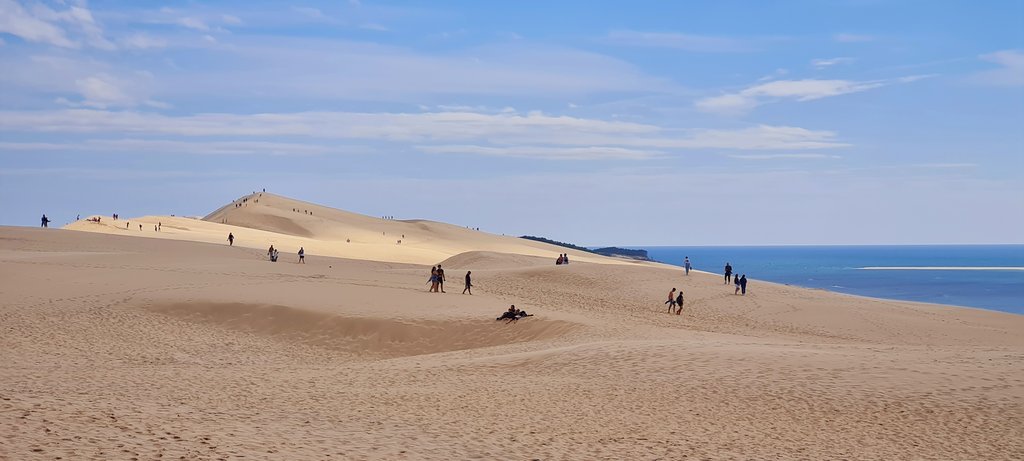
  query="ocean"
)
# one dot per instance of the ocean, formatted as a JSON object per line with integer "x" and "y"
{"x": 982, "y": 276}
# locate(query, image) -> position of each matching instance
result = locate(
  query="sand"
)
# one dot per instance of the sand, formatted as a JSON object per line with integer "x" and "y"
{"x": 121, "y": 344}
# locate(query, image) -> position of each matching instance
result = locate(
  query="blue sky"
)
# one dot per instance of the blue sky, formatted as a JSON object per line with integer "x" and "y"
{"x": 642, "y": 123}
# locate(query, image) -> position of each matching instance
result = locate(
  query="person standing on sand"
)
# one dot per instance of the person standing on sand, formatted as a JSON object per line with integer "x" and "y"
{"x": 45, "y": 222}
{"x": 159, "y": 226}
{"x": 671, "y": 300}
{"x": 686, "y": 264}
{"x": 231, "y": 239}
{"x": 679, "y": 302}
{"x": 737, "y": 280}
{"x": 440, "y": 278}
{"x": 743, "y": 284}
{"x": 302, "y": 255}
{"x": 469, "y": 284}
{"x": 728, "y": 273}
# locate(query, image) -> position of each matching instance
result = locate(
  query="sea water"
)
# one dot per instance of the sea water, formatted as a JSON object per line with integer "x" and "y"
{"x": 983, "y": 276}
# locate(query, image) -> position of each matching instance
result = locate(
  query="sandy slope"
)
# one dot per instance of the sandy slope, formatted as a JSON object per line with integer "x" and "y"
{"x": 265, "y": 219}
{"x": 115, "y": 347}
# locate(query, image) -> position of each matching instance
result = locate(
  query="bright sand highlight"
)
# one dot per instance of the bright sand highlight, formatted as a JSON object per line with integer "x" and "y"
{"x": 177, "y": 346}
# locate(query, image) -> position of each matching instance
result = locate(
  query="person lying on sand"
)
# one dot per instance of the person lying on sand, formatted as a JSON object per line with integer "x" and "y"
{"x": 513, "y": 314}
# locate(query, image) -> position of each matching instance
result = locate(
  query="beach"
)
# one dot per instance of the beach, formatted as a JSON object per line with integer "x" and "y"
{"x": 120, "y": 343}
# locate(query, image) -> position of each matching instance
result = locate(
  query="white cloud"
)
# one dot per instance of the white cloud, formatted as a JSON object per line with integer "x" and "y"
{"x": 101, "y": 92}
{"x": 1009, "y": 73}
{"x": 824, "y": 63}
{"x": 852, "y": 38}
{"x": 546, "y": 152}
{"x": 799, "y": 90}
{"x": 502, "y": 130}
{"x": 688, "y": 42}
{"x": 140, "y": 41}
{"x": 16, "y": 21}
{"x": 312, "y": 13}
{"x": 181, "y": 147}
{"x": 193, "y": 23}
{"x": 781, "y": 156}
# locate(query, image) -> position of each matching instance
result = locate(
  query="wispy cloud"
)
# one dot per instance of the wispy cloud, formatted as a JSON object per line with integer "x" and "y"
{"x": 43, "y": 24}
{"x": 829, "y": 62}
{"x": 798, "y": 90}
{"x": 853, "y": 38}
{"x": 679, "y": 41}
{"x": 164, "y": 146}
{"x": 546, "y": 152}
{"x": 552, "y": 136}
{"x": 781, "y": 156}
{"x": 1009, "y": 73}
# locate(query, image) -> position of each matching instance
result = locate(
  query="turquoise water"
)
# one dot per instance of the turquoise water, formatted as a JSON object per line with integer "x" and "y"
{"x": 984, "y": 276}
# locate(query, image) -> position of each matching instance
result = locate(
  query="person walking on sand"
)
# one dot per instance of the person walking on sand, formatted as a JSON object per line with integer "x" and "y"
{"x": 728, "y": 273}
{"x": 469, "y": 284}
{"x": 302, "y": 255}
{"x": 737, "y": 280}
{"x": 231, "y": 239}
{"x": 743, "y": 284}
{"x": 440, "y": 278}
{"x": 686, "y": 264}
{"x": 270, "y": 250}
{"x": 671, "y": 300}
{"x": 432, "y": 280}
{"x": 679, "y": 302}
{"x": 45, "y": 222}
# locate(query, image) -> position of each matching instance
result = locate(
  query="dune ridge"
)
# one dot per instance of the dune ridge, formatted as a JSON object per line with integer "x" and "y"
{"x": 178, "y": 346}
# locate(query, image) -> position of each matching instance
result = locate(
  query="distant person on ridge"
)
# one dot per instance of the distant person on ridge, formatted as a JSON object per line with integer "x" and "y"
{"x": 469, "y": 283}
{"x": 679, "y": 302}
{"x": 686, "y": 264}
{"x": 671, "y": 300}
{"x": 743, "y": 284}
{"x": 302, "y": 255}
{"x": 728, "y": 273}
{"x": 440, "y": 278}
{"x": 231, "y": 239}
{"x": 737, "y": 280}
{"x": 45, "y": 222}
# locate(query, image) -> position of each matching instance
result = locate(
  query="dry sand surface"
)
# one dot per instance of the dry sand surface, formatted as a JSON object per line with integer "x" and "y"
{"x": 177, "y": 346}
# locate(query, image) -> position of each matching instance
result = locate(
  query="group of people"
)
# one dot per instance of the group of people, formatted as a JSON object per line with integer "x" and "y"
{"x": 273, "y": 254}
{"x": 436, "y": 280}
{"x": 562, "y": 259}
{"x": 739, "y": 280}
{"x": 675, "y": 300}
{"x": 513, "y": 314}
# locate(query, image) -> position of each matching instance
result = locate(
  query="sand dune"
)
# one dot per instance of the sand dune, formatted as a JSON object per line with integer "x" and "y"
{"x": 177, "y": 346}
{"x": 265, "y": 219}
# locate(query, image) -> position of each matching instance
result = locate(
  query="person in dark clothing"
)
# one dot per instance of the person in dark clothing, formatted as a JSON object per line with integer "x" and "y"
{"x": 469, "y": 283}
{"x": 728, "y": 273}
{"x": 302, "y": 255}
{"x": 231, "y": 239}
{"x": 45, "y": 222}
{"x": 679, "y": 302}
{"x": 686, "y": 264}
{"x": 565, "y": 258}
{"x": 440, "y": 278}
{"x": 743, "y": 284}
